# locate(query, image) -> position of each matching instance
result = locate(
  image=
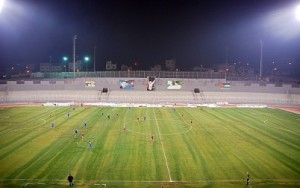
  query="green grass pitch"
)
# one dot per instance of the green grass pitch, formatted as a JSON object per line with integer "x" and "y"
{"x": 216, "y": 149}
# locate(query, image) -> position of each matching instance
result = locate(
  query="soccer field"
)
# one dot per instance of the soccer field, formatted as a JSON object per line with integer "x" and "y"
{"x": 191, "y": 147}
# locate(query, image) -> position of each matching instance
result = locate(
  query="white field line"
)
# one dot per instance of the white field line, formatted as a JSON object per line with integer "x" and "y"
{"x": 43, "y": 181}
{"x": 44, "y": 121}
{"x": 5, "y": 117}
{"x": 162, "y": 145}
{"x": 33, "y": 184}
{"x": 170, "y": 134}
{"x": 31, "y": 127}
{"x": 284, "y": 129}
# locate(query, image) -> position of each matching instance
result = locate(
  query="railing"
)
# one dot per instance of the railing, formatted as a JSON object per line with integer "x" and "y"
{"x": 133, "y": 74}
{"x": 228, "y": 76}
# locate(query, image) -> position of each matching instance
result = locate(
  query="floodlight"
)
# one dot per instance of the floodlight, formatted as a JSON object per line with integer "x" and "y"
{"x": 1, "y": 5}
{"x": 297, "y": 12}
{"x": 86, "y": 58}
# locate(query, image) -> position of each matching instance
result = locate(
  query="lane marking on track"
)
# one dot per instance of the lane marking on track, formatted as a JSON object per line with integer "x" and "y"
{"x": 162, "y": 145}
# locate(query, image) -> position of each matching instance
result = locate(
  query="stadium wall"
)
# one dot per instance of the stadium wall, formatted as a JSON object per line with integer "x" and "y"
{"x": 211, "y": 91}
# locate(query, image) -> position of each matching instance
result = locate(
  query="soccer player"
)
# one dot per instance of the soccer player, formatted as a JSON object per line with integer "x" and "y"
{"x": 191, "y": 122}
{"x": 90, "y": 145}
{"x": 248, "y": 179}
{"x": 145, "y": 118}
{"x": 138, "y": 119}
{"x": 108, "y": 116}
{"x": 85, "y": 124}
{"x": 76, "y": 132}
{"x": 70, "y": 180}
{"x": 152, "y": 137}
{"x": 68, "y": 114}
{"x": 82, "y": 136}
{"x": 52, "y": 125}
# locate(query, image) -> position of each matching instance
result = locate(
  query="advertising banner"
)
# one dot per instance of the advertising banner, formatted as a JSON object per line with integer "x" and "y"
{"x": 126, "y": 84}
{"x": 174, "y": 84}
{"x": 151, "y": 84}
{"x": 225, "y": 85}
{"x": 90, "y": 83}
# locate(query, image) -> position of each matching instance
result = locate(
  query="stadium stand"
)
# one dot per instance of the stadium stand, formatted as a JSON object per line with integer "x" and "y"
{"x": 210, "y": 91}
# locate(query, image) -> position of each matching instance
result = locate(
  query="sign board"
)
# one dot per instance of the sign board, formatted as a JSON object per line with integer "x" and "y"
{"x": 126, "y": 84}
{"x": 90, "y": 83}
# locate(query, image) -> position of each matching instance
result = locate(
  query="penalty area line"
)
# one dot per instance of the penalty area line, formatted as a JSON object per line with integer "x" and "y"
{"x": 283, "y": 128}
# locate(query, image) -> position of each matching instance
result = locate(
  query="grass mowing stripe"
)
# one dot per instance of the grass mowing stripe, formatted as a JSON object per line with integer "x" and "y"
{"x": 266, "y": 130}
{"x": 215, "y": 152}
{"x": 228, "y": 126}
{"x": 30, "y": 122}
{"x": 162, "y": 145}
{"x": 270, "y": 138}
{"x": 39, "y": 136}
{"x": 263, "y": 145}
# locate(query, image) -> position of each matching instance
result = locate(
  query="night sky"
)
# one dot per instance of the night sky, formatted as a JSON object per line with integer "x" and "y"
{"x": 149, "y": 32}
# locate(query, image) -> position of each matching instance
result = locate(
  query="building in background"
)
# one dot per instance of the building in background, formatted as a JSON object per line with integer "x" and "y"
{"x": 170, "y": 64}
{"x": 45, "y": 67}
{"x": 78, "y": 66}
{"x": 156, "y": 68}
{"x": 110, "y": 66}
{"x": 124, "y": 67}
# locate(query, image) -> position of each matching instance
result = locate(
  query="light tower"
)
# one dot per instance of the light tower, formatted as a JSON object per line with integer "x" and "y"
{"x": 74, "y": 53}
{"x": 86, "y": 59}
{"x": 1, "y": 5}
{"x": 94, "y": 58}
{"x": 50, "y": 63}
{"x": 261, "y": 59}
{"x": 297, "y": 13}
{"x": 65, "y": 59}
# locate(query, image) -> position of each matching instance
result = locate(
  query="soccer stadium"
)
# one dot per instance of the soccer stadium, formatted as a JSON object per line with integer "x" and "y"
{"x": 149, "y": 129}
{"x": 149, "y": 94}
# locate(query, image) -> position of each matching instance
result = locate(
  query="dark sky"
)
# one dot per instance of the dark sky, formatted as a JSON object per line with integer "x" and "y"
{"x": 149, "y": 32}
